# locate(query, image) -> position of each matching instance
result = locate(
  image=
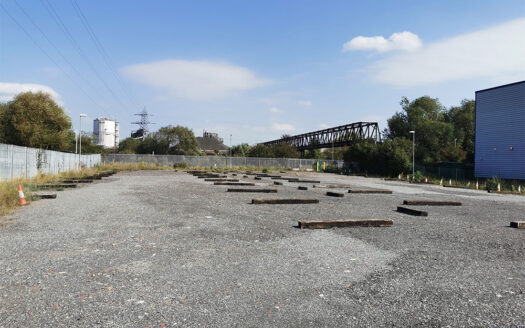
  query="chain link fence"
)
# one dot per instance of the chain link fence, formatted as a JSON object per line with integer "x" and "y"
{"x": 25, "y": 162}
{"x": 213, "y": 161}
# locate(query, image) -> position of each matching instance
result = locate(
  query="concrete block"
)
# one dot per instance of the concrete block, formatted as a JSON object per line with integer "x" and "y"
{"x": 518, "y": 224}
{"x": 432, "y": 202}
{"x": 327, "y": 224}
{"x": 335, "y": 194}
{"x": 411, "y": 211}
{"x": 285, "y": 201}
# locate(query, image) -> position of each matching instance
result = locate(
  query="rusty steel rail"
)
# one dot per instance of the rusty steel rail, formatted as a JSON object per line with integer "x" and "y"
{"x": 337, "y": 137}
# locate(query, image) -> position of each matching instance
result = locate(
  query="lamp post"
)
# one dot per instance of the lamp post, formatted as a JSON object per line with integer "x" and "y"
{"x": 413, "y": 152}
{"x": 332, "y": 151}
{"x": 80, "y": 140}
{"x": 230, "y": 151}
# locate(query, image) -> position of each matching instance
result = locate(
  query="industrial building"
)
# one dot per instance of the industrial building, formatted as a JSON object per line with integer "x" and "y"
{"x": 500, "y": 132}
{"x": 106, "y": 132}
{"x": 211, "y": 144}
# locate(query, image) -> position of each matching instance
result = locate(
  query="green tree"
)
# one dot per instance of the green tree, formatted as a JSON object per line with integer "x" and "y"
{"x": 3, "y": 113}
{"x": 241, "y": 150}
{"x": 170, "y": 140}
{"x": 89, "y": 146}
{"x": 313, "y": 154}
{"x": 427, "y": 117}
{"x": 35, "y": 120}
{"x": 129, "y": 146}
{"x": 260, "y": 150}
{"x": 284, "y": 150}
{"x": 463, "y": 119}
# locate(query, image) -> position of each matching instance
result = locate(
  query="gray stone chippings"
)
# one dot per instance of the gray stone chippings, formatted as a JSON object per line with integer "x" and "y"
{"x": 163, "y": 248}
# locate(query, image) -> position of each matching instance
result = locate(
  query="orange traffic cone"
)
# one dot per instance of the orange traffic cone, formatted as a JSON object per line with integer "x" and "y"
{"x": 22, "y": 200}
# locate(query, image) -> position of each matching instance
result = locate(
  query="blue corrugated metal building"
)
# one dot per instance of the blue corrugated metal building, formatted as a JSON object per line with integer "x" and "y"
{"x": 500, "y": 132}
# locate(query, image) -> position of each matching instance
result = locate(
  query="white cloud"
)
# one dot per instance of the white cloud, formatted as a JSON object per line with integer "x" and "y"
{"x": 324, "y": 126}
{"x": 307, "y": 103}
{"x": 405, "y": 41}
{"x": 496, "y": 53}
{"x": 9, "y": 90}
{"x": 275, "y": 110}
{"x": 282, "y": 127}
{"x": 196, "y": 79}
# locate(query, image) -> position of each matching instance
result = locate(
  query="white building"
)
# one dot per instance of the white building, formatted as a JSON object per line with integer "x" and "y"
{"x": 106, "y": 132}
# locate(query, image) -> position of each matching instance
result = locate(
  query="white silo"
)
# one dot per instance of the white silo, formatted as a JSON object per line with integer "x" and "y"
{"x": 106, "y": 132}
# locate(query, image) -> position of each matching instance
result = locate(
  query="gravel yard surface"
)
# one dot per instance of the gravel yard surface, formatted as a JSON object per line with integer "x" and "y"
{"x": 166, "y": 249}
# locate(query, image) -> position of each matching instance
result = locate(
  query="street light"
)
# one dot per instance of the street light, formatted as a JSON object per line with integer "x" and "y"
{"x": 413, "y": 152}
{"x": 80, "y": 140}
{"x": 230, "y": 151}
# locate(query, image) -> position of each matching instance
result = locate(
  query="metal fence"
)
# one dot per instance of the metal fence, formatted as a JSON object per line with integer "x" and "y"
{"x": 16, "y": 161}
{"x": 212, "y": 161}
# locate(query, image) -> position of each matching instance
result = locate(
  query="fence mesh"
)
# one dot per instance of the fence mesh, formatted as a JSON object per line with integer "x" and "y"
{"x": 212, "y": 161}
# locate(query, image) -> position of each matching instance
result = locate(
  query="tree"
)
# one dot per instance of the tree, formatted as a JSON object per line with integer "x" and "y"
{"x": 241, "y": 150}
{"x": 172, "y": 140}
{"x": 463, "y": 119}
{"x": 284, "y": 150}
{"x": 313, "y": 154}
{"x": 3, "y": 113}
{"x": 129, "y": 146}
{"x": 89, "y": 146}
{"x": 259, "y": 150}
{"x": 35, "y": 120}
{"x": 389, "y": 158}
{"x": 426, "y": 116}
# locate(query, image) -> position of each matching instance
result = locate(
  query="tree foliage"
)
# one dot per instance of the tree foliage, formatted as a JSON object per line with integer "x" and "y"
{"x": 35, "y": 120}
{"x": 170, "y": 140}
{"x": 241, "y": 150}
{"x": 260, "y": 150}
{"x": 128, "y": 146}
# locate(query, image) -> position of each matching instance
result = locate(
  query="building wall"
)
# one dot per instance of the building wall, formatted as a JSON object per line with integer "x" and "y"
{"x": 500, "y": 132}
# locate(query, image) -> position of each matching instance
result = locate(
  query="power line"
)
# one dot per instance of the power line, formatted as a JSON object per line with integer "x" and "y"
{"x": 49, "y": 57}
{"x": 51, "y": 10}
{"x": 55, "y": 47}
{"x": 102, "y": 51}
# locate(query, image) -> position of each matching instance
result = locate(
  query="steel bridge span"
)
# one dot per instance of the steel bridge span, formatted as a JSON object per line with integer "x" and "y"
{"x": 332, "y": 137}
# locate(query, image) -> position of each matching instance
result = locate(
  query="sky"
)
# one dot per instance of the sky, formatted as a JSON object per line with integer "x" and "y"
{"x": 256, "y": 70}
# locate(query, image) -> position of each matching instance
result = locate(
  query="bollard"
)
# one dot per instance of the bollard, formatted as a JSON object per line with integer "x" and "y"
{"x": 441, "y": 182}
{"x": 499, "y": 187}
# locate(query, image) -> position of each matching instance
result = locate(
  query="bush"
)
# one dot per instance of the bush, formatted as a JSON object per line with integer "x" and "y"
{"x": 180, "y": 165}
{"x": 492, "y": 184}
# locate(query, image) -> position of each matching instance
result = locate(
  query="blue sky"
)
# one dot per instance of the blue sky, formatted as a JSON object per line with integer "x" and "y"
{"x": 258, "y": 69}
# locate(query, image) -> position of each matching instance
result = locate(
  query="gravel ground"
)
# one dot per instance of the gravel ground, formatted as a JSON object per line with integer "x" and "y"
{"x": 162, "y": 248}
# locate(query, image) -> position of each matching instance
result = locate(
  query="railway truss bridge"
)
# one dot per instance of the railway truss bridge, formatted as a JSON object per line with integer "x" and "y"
{"x": 332, "y": 137}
